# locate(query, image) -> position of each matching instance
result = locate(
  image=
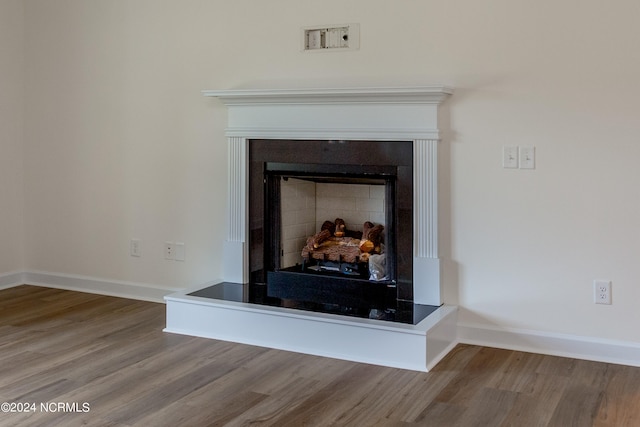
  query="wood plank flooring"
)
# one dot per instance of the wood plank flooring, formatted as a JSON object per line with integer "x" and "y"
{"x": 110, "y": 353}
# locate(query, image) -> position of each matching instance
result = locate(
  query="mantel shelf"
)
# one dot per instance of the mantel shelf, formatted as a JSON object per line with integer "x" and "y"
{"x": 434, "y": 94}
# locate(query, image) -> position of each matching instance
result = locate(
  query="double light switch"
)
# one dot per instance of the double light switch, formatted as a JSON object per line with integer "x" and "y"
{"x": 514, "y": 157}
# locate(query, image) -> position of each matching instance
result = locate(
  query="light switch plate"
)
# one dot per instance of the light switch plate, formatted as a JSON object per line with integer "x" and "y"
{"x": 510, "y": 157}
{"x": 179, "y": 251}
{"x": 527, "y": 157}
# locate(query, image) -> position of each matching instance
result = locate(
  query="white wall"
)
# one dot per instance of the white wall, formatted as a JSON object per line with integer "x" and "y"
{"x": 120, "y": 144}
{"x": 11, "y": 106}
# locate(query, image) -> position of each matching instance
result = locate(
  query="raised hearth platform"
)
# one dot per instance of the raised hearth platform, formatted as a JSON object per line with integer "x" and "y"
{"x": 223, "y": 315}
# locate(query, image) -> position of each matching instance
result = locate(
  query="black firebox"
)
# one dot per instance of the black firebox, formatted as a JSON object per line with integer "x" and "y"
{"x": 335, "y": 283}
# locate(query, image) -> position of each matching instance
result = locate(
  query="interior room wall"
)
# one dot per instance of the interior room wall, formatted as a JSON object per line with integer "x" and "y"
{"x": 11, "y": 95}
{"x": 120, "y": 143}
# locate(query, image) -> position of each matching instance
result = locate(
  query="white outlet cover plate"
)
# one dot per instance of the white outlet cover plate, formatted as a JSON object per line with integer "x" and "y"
{"x": 602, "y": 292}
{"x": 169, "y": 250}
{"x": 135, "y": 248}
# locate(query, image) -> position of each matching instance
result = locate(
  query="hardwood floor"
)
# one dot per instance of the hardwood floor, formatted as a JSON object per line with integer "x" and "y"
{"x": 111, "y": 354}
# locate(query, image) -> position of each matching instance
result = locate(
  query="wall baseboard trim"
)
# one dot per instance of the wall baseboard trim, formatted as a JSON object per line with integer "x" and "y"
{"x": 87, "y": 284}
{"x": 9, "y": 280}
{"x": 553, "y": 344}
{"x": 530, "y": 341}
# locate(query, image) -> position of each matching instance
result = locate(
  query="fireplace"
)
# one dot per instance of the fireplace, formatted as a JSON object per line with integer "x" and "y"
{"x": 331, "y": 225}
{"x": 330, "y": 142}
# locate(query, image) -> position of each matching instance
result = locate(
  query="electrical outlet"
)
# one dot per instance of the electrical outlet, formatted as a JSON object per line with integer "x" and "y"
{"x": 602, "y": 291}
{"x": 135, "y": 248}
{"x": 169, "y": 250}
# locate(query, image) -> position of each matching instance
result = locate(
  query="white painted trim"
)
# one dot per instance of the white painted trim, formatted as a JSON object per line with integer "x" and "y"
{"x": 10, "y": 280}
{"x": 95, "y": 285}
{"x": 427, "y": 284}
{"x": 237, "y": 196}
{"x": 425, "y": 198}
{"x": 379, "y": 114}
{"x": 235, "y": 257}
{"x": 415, "y": 347}
{"x": 550, "y": 343}
{"x": 433, "y": 94}
{"x": 370, "y": 133}
{"x": 442, "y": 332}
{"x": 427, "y": 281}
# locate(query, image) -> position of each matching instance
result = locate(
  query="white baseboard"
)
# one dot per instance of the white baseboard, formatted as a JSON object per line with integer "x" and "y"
{"x": 9, "y": 280}
{"x": 564, "y": 345}
{"x": 95, "y": 285}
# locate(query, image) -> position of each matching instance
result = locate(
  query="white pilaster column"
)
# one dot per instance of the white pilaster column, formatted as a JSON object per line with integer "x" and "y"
{"x": 426, "y": 261}
{"x": 235, "y": 248}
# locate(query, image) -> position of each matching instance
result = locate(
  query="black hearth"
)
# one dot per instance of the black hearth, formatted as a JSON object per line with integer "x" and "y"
{"x": 340, "y": 284}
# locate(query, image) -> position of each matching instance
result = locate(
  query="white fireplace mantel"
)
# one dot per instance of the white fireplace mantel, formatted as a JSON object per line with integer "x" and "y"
{"x": 381, "y": 113}
{"x": 373, "y": 114}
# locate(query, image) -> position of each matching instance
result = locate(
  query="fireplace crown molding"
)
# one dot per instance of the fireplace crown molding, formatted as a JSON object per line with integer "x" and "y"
{"x": 385, "y": 113}
{"x": 433, "y": 94}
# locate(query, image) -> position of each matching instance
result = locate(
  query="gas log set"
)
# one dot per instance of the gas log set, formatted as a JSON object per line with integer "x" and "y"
{"x": 351, "y": 252}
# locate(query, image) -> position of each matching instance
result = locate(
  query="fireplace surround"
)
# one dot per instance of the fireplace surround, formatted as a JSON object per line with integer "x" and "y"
{"x": 337, "y": 272}
{"x": 405, "y": 116}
